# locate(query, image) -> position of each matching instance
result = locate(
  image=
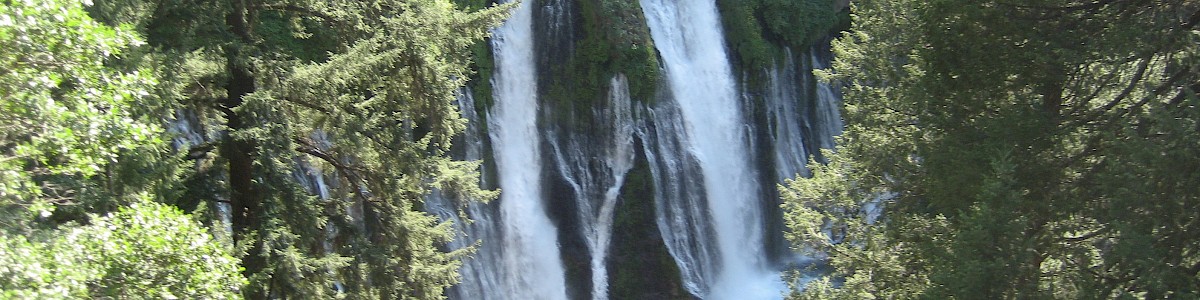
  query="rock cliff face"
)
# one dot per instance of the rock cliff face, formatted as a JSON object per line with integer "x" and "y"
{"x": 656, "y": 172}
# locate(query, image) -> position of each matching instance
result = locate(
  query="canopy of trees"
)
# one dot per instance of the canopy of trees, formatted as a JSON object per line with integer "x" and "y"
{"x": 1011, "y": 149}
{"x": 363, "y": 89}
{"x": 993, "y": 149}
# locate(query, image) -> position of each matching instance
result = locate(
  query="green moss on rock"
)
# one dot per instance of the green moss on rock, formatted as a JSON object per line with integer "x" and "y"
{"x": 613, "y": 39}
{"x": 757, "y": 30}
{"x": 639, "y": 266}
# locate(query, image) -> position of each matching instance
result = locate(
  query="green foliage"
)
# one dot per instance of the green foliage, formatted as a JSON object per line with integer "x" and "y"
{"x": 77, "y": 123}
{"x": 744, "y": 33}
{"x": 831, "y": 214}
{"x": 362, "y": 90}
{"x": 482, "y": 65}
{"x": 64, "y": 111}
{"x": 145, "y": 251}
{"x": 1019, "y": 149}
{"x": 756, "y": 30}
{"x": 630, "y": 48}
{"x": 81, "y": 135}
{"x": 639, "y": 264}
{"x": 614, "y": 40}
{"x": 303, "y": 39}
{"x": 798, "y": 23}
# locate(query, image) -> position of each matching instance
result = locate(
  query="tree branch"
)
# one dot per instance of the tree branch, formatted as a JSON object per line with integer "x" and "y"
{"x": 199, "y": 151}
{"x": 1137, "y": 77}
{"x": 224, "y": 109}
{"x": 345, "y": 170}
{"x": 300, "y": 9}
{"x": 1087, "y": 236}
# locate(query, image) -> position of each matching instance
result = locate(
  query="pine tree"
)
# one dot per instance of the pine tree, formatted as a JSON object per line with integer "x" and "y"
{"x": 362, "y": 89}
{"x": 1029, "y": 149}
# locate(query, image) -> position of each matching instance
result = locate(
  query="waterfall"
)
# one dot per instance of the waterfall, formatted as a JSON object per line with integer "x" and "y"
{"x": 828, "y": 116}
{"x": 802, "y": 118}
{"x": 711, "y": 169}
{"x": 531, "y": 262}
{"x": 803, "y": 113}
{"x": 595, "y": 168}
{"x": 480, "y": 277}
{"x": 689, "y": 38}
{"x": 785, "y": 119}
{"x": 679, "y": 201}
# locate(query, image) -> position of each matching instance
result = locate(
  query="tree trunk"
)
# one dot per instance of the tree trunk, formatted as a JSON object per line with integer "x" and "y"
{"x": 1052, "y": 95}
{"x": 243, "y": 199}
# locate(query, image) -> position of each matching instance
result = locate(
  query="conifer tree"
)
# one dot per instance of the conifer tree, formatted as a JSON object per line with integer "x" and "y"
{"x": 1017, "y": 149}
{"x": 361, "y": 89}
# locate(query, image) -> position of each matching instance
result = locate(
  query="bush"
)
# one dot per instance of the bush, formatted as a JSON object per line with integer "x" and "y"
{"x": 147, "y": 250}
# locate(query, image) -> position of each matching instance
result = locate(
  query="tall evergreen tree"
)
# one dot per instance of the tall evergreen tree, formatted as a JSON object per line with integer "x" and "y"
{"x": 363, "y": 89}
{"x": 1018, "y": 149}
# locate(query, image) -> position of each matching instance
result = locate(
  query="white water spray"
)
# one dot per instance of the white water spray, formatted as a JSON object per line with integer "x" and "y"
{"x": 595, "y": 169}
{"x": 829, "y": 103}
{"x": 689, "y": 38}
{"x": 531, "y": 256}
{"x": 786, "y": 120}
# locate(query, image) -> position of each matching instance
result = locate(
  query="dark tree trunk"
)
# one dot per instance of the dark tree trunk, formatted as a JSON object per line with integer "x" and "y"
{"x": 1052, "y": 93}
{"x": 243, "y": 199}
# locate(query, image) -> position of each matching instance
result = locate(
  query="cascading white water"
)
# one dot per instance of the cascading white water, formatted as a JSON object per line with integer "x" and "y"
{"x": 481, "y": 279}
{"x": 530, "y": 244}
{"x": 707, "y": 190}
{"x": 596, "y": 189}
{"x": 618, "y": 161}
{"x": 688, "y": 36}
{"x": 480, "y": 276}
{"x": 786, "y": 120}
{"x": 797, "y": 132}
{"x": 829, "y": 103}
{"x": 680, "y": 207}
{"x": 802, "y": 117}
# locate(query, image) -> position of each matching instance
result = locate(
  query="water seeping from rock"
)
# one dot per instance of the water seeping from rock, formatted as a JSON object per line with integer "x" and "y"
{"x": 595, "y": 173}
